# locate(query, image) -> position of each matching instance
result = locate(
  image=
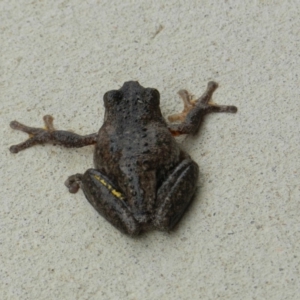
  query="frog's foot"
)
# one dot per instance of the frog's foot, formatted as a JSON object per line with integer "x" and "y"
{"x": 194, "y": 110}
{"x": 50, "y": 135}
{"x": 205, "y": 101}
{"x": 188, "y": 103}
{"x": 73, "y": 183}
{"x": 36, "y": 135}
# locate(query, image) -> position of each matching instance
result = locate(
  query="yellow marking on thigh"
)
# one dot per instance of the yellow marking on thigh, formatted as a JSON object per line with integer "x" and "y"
{"x": 109, "y": 187}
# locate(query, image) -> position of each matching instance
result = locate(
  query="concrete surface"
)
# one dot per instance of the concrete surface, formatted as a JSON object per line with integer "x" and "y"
{"x": 240, "y": 238}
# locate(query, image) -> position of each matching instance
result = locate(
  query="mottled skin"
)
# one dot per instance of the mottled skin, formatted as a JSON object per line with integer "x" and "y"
{"x": 142, "y": 179}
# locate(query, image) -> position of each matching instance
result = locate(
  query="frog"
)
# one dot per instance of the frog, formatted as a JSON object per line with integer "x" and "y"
{"x": 142, "y": 178}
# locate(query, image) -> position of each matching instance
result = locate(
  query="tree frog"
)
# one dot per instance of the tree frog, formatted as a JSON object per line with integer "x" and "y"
{"x": 142, "y": 179}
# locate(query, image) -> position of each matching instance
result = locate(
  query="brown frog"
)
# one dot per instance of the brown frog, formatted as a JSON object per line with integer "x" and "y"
{"x": 142, "y": 180}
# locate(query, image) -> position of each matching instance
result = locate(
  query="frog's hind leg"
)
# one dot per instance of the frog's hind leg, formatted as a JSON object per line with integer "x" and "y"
{"x": 107, "y": 200}
{"x": 175, "y": 194}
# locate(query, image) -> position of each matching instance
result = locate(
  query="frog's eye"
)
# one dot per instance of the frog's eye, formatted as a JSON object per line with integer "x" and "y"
{"x": 112, "y": 97}
{"x": 152, "y": 96}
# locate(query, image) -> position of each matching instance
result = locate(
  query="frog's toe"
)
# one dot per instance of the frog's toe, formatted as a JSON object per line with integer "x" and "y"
{"x": 14, "y": 149}
{"x": 48, "y": 120}
{"x": 222, "y": 108}
{"x": 188, "y": 103}
{"x": 15, "y": 125}
{"x": 73, "y": 183}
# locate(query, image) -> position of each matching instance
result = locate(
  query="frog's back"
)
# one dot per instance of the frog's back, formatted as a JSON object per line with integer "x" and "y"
{"x": 150, "y": 144}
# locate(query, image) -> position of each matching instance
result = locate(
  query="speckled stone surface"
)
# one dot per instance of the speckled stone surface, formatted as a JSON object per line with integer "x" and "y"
{"x": 240, "y": 238}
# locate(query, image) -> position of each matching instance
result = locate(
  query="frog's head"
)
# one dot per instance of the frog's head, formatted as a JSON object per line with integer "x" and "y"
{"x": 132, "y": 102}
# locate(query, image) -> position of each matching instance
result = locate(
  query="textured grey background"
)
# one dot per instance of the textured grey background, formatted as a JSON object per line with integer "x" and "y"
{"x": 240, "y": 238}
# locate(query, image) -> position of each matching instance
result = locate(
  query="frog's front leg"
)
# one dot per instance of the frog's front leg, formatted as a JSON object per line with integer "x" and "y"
{"x": 50, "y": 135}
{"x": 194, "y": 111}
{"x": 175, "y": 194}
{"x": 107, "y": 200}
